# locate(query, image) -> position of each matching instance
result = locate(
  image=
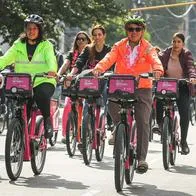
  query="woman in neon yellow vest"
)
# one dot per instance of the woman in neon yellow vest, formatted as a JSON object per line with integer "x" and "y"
{"x": 32, "y": 54}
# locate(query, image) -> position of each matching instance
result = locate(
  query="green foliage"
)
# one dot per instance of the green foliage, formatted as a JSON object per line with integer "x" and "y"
{"x": 71, "y": 13}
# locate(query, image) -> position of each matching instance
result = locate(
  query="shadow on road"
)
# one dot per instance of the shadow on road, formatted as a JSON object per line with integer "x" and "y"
{"x": 106, "y": 164}
{"x": 48, "y": 181}
{"x": 139, "y": 189}
{"x": 184, "y": 169}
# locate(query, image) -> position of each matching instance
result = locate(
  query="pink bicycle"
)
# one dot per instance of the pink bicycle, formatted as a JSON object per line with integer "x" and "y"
{"x": 93, "y": 123}
{"x": 25, "y": 141}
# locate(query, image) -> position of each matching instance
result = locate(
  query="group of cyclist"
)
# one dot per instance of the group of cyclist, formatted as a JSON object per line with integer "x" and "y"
{"x": 33, "y": 53}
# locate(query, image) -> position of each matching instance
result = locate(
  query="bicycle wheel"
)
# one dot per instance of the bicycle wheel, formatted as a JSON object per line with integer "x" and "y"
{"x": 99, "y": 152}
{"x": 120, "y": 155}
{"x": 10, "y": 112}
{"x": 88, "y": 127}
{"x": 2, "y": 123}
{"x": 38, "y": 147}
{"x": 14, "y": 149}
{"x": 173, "y": 147}
{"x": 129, "y": 173}
{"x": 193, "y": 112}
{"x": 166, "y": 141}
{"x": 71, "y": 134}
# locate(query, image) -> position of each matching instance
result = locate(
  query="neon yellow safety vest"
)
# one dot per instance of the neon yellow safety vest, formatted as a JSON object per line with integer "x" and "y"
{"x": 43, "y": 60}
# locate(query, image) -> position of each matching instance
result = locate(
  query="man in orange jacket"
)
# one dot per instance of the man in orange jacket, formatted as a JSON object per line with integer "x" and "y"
{"x": 134, "y": 55}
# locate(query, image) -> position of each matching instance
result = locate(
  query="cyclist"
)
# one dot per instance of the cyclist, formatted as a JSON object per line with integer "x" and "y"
{"x": 90, "y": 56}
{"x": 134, "y": 55}
{"x": 178, "y": 63}
{"x": 32, "y": 54}
{"x": 80, "y": 41}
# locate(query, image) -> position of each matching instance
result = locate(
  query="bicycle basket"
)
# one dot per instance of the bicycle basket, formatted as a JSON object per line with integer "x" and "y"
{"x": 121, "y": 87}
{"x": 18, "y": 84}
{"x": 167, "y": 87}
{"x": 89, "y": 86}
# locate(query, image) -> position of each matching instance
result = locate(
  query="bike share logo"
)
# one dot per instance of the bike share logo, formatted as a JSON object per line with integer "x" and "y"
{"x": 124, "y": 85}
{"x": 168, "y": 86}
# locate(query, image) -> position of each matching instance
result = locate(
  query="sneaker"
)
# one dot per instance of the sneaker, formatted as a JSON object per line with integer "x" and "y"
{"x": 142, "y": 167}
{"x": 184, "y": 148}
{"x": 111, "y": 139}
{"x": 48, "y": 128}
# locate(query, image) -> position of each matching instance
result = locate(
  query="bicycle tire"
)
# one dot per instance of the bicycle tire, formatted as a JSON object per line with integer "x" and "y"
{"x": 129, "y": 173}
{"x": 2, "y": 123}
{"x": 38, "y": 147}
{"x": 88, "y": 127}
{"x": 99, "y": 152}
{"x": 119, "y": 159}
{"x": 173, "y": 147}
{"x": 166, "y": 140}
{"x": 14, "y": 149}
{"x": 192, "y": 112}
{"x": 10, "y": 112}
{"x": 71, "y": 134}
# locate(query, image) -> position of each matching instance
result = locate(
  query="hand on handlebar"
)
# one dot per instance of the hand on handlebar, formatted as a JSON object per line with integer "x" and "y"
{"x": 51, "y": 74}
{"x": 96, "y": 72}
{"x": 157, "y": 75}
{"x": 192, "y": 80}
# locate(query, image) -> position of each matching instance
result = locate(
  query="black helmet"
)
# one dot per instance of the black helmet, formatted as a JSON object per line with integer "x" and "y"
{"x": 135, "y": 19}
{"x": 34, "y": 18}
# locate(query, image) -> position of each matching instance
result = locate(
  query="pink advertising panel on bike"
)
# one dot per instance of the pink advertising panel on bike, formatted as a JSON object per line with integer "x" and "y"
{"x": 124, "y": 85}
{"x": 18, "y": 84}
{"x": 89, "y": 83}
{"x": 167, "y": 86}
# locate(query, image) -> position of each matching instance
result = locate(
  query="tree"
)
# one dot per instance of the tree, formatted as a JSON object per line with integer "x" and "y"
{"x": 70, "y": 12}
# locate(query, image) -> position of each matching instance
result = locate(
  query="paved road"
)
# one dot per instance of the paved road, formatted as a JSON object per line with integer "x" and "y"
{"x": 64, "y": 176}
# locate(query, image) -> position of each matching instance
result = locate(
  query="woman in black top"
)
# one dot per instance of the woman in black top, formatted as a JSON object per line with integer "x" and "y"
{"x": 92, "y": 54}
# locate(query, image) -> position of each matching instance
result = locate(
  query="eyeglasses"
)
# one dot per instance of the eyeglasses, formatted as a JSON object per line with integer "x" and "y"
{"x": 81, "y": 39}
{"x": 137, "y": 29}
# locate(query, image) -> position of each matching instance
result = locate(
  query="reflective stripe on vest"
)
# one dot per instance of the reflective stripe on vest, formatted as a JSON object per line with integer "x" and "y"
{"x": 31, "y": 62}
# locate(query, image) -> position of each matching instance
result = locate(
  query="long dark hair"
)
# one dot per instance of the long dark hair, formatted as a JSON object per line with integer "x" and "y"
{"x": 91, "y": 47}
{"x": 75, "y": 46}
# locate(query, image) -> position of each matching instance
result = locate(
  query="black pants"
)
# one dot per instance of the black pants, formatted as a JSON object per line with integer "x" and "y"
{"x": 42, "y": 96}
{"x": 183, "y": 103}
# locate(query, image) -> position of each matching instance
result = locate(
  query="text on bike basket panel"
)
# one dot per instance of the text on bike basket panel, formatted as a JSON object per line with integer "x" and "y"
{"x": 125, "y": 85}
{"x": 170, "y": 86}
{"x": 18, "y": 82}
{"x": 89, "y": 83}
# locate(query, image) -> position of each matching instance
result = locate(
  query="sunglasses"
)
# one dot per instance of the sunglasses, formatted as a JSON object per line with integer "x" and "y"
{"x": 137, "y": 29}
{"x": 81, "y": 39}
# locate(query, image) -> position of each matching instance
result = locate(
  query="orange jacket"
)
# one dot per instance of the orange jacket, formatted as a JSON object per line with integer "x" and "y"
{"x": 146, "y": 61}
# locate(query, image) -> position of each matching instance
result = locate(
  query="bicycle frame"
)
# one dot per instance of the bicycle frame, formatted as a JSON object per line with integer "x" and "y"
{"x": 29, "y": 133}
{"x": 94, "y": 110}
